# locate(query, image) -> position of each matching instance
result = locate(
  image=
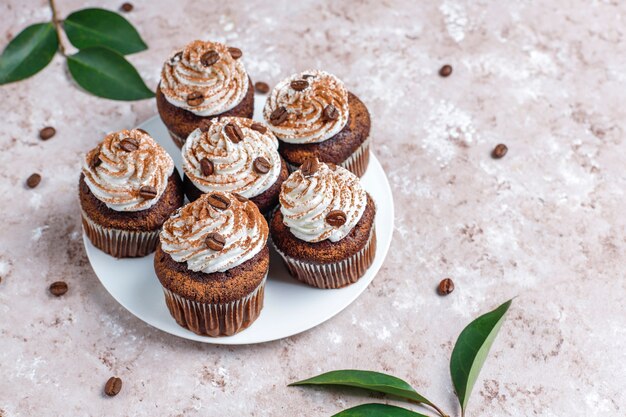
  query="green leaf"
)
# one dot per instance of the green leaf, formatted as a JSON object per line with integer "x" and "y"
{"x": 471, "y": 349}
{"x": 28, "y": 53}
{"x": 369, "y": 380}
{"x": 98, "y": 27}
{"x": 107, "y": 74}
{"x": 378, "y": 410}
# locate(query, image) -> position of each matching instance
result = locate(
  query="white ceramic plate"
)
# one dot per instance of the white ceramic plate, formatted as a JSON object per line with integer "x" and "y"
{"x": 290, "y": 307}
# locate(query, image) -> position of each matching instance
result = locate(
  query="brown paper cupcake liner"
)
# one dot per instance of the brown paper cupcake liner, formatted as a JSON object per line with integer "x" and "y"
{"x": 177, "y": 139}
{"x": 356, "y": 163}
{"x": 333, "y": 275}
{"x": 120, "y": 243}
{"x": 215, "y": 320}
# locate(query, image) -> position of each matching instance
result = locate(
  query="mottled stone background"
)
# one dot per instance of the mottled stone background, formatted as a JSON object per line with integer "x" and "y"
{"x": 546, "y": 223}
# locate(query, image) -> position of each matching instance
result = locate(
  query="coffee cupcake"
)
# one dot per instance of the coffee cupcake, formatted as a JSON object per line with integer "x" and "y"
{"x": 236, "y": 155}
{"x": 128, "y": 188}
{"x": 203, "y": 81}
{"x": 313, "y": 115}
{"x": 212, "y": 262}
{"x": 324, "y": 229}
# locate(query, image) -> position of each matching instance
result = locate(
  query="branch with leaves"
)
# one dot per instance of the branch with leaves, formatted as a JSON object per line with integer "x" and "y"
{"x": 468, "y": 356}
{"x": 102, "y": 38}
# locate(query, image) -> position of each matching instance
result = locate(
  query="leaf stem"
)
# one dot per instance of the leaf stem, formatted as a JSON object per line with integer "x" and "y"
{"x": 433, "y": 406}
{"x": 57, "y": 26}
{"x": 441, "y": 413}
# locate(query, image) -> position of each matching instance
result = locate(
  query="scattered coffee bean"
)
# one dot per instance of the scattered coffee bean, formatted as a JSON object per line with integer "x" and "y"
{"x": 445, "y": 71}
{"x": 259, "y": 128}
{"x": 129, "y": 144}
{"x": 206, "y": 166}
{"x": 261, "y": 165}
{"x": 261, "y": 87}
{"x": 233, "y": 132}
{"x": 127, "y": 7}
{"x": 336, "y": 218}
{"x": 446, "y": 286}
{"x": 235, "y": 52}
{"x": 58, "y": 288}
{"x": 33, "y": 180}
{"x": 218, "y": 201}
{"x": 278, "y": 116}
{"x": 148, "y": 192}
{"x": 113, "y": 386}
{"x": 215, "y": 241}
{"x": 499, "y": 151}
{"x": 299, "y": 85}
{"x": 309, "y": 166}
{"x": 330, "y": 113}
{"x": 47, "y": 132}
{"x": 195, "y": 99}
{"x": 239, "y": 197}
{"x": 209, "y": 58}
{"x": 142, "y": 131}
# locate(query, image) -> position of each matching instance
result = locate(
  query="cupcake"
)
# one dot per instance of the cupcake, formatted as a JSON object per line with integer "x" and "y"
{"x": 127, "y": 189}
{"x": 203, "y": 81}
{"x": 236, "y": 155}
{"x": 212, "y": 262}
{"x": 313, "y": 115}
{"x": 324, "y": 229}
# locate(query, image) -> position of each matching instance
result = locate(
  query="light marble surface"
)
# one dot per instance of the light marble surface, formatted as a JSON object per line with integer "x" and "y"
{"x": 546, "y": 223}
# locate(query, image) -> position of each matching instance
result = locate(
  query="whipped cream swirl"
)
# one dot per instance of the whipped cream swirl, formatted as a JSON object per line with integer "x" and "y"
{"x": 232, "y": 163}
{"x": 305, "y": 201}
{"x": 189, "y": 82}
{"x": 306, "y": 122}
{"x": 184, "y": 235}
{"x": 126, "y": 162}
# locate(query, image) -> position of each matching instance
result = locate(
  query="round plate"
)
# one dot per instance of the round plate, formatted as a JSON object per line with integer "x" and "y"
{"x": 290, "y": 307}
